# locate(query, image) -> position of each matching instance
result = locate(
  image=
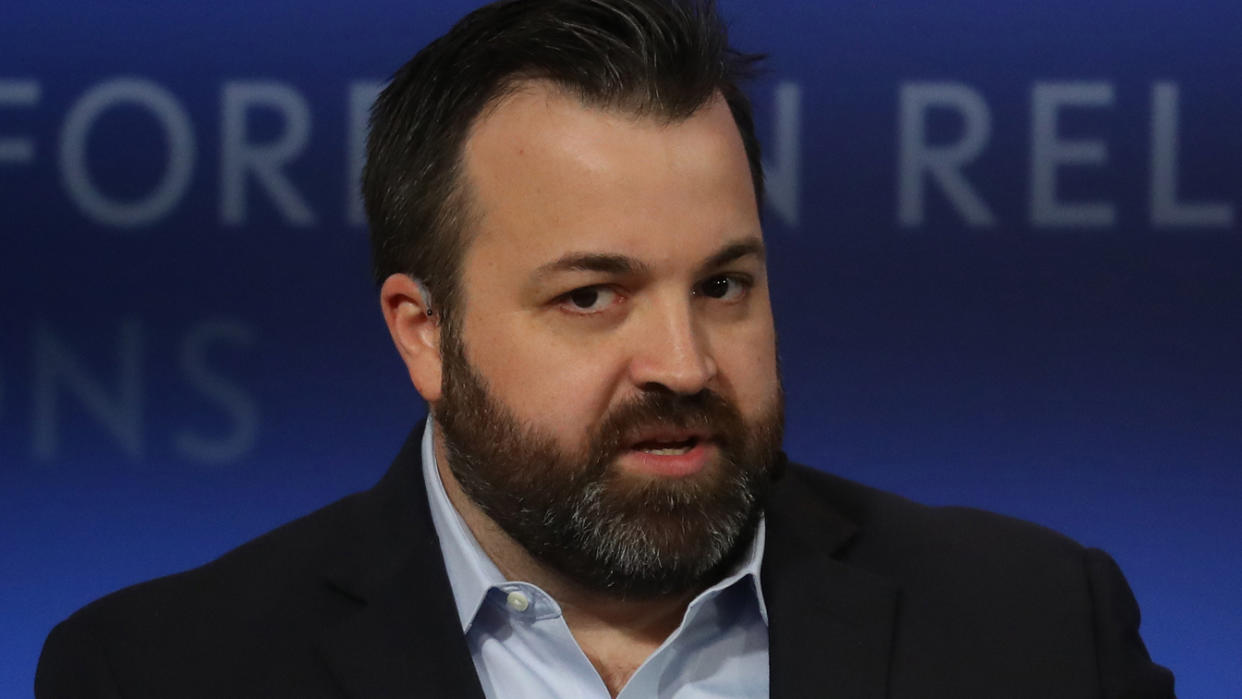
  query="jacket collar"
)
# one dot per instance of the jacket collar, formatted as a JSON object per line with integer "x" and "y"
{"x": 831, "y": 624}
{"x": 405, "y": 638}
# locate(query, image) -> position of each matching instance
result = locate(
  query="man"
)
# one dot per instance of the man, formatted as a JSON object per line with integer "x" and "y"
{"x": 564, "y": 200}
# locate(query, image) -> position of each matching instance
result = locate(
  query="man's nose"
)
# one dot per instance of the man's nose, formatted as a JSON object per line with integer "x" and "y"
{"x": 670, "y": 351}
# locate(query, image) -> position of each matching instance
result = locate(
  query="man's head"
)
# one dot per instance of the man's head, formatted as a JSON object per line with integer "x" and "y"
{"x": 605, "y": 382}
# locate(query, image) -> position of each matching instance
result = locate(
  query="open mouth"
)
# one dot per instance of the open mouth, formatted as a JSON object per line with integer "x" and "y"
{"x": 659, "y": 448}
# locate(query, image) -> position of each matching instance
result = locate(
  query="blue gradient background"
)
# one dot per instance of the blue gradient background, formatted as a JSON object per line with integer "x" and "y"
{"x": 1086, "y": 379}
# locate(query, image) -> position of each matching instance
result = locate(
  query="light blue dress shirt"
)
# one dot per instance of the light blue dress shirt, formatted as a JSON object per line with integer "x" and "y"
{"x": 522, "y": 647}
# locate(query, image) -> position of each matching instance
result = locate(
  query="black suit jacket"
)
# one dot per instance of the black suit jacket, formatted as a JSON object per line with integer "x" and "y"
{"x": 869, "y": 596}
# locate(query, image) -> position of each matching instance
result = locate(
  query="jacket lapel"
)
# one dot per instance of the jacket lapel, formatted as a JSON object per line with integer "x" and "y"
{"x": 830, "y": 624}
{"x": 405, "y": 639}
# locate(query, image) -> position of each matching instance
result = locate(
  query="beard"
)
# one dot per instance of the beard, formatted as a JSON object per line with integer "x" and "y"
{"x": 580, "y": 515}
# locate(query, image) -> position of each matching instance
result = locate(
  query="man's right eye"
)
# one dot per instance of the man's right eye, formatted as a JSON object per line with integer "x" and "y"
{"x": 588, "y": 300}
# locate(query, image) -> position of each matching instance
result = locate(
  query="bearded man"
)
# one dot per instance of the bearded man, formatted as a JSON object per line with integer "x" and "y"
{"x": 564, "y": 202}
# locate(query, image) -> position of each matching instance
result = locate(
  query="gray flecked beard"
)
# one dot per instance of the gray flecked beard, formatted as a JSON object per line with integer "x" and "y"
{"x": 580, "y": 515}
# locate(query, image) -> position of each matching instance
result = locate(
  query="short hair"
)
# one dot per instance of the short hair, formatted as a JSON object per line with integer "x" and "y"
{"x": 662, "y": 59}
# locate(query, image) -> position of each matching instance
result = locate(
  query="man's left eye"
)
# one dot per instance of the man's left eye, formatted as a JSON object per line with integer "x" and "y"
{"x": 723, "y": 287}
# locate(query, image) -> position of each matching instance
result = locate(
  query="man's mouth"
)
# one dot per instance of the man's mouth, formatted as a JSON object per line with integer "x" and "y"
{"x": 671, "y": 448}
{"x": 667, "y": 451}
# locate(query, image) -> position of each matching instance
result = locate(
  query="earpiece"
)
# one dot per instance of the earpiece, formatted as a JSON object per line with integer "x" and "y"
{"x": 422, "y": 291}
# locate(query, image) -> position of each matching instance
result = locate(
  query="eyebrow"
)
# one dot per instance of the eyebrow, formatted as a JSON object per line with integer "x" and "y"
{"x": 624, "y": 265}
{"x": 592, "y": 262}
{"x": 734, "y": 252}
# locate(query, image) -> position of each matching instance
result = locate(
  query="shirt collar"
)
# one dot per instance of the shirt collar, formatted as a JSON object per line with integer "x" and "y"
{"x": 471, "y": 573}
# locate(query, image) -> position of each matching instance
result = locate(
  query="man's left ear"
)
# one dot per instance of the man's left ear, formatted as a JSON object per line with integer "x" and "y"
{"x": 415, "y": 330}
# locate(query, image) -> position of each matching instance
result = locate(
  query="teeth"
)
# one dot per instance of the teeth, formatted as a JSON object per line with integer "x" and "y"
{"x": 675, "y": 451}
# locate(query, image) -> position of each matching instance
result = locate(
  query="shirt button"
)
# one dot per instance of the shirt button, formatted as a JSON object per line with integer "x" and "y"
{"x": 517, "y": 601}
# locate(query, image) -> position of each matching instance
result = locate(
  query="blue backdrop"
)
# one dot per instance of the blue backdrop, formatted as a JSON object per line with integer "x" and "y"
{"x": 1004, "y": 242}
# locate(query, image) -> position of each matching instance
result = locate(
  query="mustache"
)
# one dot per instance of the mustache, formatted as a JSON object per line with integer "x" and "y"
{"x": 705, "y": 411}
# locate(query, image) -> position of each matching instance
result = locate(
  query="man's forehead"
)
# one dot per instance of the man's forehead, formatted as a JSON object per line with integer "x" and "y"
{"x": 548, "y": 177}
{"x": 542, "y": 113}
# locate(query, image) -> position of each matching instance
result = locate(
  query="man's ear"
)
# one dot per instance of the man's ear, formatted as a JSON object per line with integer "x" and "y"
{"x": 415, "y": 331}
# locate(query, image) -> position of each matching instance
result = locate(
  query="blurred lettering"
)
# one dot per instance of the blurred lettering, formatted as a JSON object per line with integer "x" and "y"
{"x": 58, "y": 370}
{"x": 1166, "y": 210}
{"x": 919, "y": 161}
{"x": 1050, "y": 152}
{"x": 265, "y": 129}
{"x": 107, "y": 380}
{"x": 361, "y": 96}
{"x": 239, "y": 156}
{"x": 783, "y": 176}
{"x": 178, "y": 131}
{"x": 238, "y": 405}
{"x": 18, "y": 93}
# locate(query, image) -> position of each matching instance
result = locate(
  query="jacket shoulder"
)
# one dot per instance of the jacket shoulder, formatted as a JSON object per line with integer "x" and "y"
{"x": 266, "y": 599}
{"x": 976, "y": 584}
{"x": 913, "y": 531}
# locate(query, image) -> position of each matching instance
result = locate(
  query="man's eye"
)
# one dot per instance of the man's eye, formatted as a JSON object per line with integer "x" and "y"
{"x": 588, "y": 299}
{"x": 724, "y": 287}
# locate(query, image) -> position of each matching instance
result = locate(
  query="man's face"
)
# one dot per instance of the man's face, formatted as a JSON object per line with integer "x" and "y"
{"x": 611, "y": 396}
